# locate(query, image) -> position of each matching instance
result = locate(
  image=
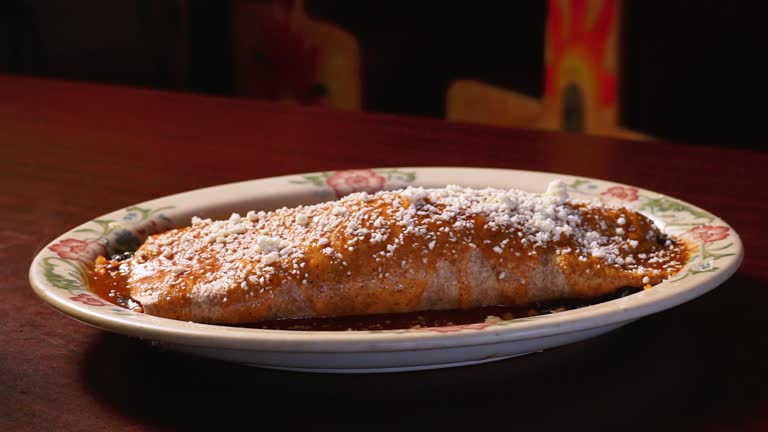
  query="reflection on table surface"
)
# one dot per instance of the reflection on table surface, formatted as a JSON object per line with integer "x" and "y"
{"x": 72, "y": 152}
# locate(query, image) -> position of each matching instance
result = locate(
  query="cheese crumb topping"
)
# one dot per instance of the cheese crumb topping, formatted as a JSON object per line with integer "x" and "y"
{"x": 252, "y": 250}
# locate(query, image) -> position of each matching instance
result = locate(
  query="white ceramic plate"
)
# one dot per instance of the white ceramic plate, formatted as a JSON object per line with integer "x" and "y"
{"x": 58, "y": 275}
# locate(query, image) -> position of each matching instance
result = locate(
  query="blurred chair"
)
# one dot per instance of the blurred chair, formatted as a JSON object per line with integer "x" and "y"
{"x": 581, "y": 79}
{"x": 284, "y": 55}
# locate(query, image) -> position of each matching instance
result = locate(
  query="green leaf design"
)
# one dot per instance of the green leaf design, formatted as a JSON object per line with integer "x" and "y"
{"x": 709, "y": 270}
{"x": 404, "y": 176}
{"x": 708, "y": 254}
{"x": 143, "y": 212}
{"x": 69, "y": 279}
{"x": 688, "y": 273}
{"x": 88, "y": 230}
{"x": 723, "y": 247}
{"x": 106, "y": 226}
{"x": 577, "y": 184}
{"x": 146, "y": 213}
{"x": 662, "y": 205}
{"x": 718, "y": 256}
{"x": 317, "y": 180}
{"x": 117, "y": 311}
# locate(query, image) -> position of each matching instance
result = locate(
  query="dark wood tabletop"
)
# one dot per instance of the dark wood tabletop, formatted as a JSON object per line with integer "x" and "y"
{"x": 70, "y": 152}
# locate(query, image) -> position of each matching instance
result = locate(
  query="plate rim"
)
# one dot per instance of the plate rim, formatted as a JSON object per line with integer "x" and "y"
{"x": 219, "y": 336}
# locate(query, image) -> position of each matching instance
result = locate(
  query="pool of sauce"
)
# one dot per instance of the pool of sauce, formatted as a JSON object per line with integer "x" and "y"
{"x": 108, "y": 281}
{"x": 434, "y": 318}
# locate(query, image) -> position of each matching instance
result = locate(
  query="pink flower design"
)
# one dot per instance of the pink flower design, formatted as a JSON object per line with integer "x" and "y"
{"x": 621, "y": 193}
{"x": 73, "y": 249}
{"x": 349, "y": 181}
{"x": 88, "y": 299}
{"x": 707, "y": 233}
{"x": 458, "y": 328}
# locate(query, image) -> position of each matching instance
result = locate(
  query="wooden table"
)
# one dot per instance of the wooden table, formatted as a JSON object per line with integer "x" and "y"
{"x": 71, "y": 152}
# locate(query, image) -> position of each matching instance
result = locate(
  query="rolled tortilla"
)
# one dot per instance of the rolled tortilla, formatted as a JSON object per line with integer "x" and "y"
{"x": 399, "y": 251}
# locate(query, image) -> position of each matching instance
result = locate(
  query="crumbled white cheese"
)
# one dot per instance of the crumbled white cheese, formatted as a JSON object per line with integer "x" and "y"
{"x": 302, "y": 219}
{"x": 261, "y": 245}
{"x": 270, "y": 258}
{"x": 557, "y": 193}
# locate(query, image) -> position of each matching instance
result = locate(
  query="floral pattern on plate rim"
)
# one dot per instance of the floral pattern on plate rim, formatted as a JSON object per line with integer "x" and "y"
{"x": 66, "y": 268}
{"x": 345, "y": 182}
{"x": 677, "y": 217}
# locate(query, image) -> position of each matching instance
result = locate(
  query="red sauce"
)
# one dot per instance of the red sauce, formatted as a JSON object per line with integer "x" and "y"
{"x": 109, "y": 281}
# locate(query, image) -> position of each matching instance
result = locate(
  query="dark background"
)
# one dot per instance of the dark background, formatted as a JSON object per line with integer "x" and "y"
{"x": 691, "y": 70}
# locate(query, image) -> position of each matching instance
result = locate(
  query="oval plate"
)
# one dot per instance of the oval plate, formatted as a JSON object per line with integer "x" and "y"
{"x": 59, "y": 275}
